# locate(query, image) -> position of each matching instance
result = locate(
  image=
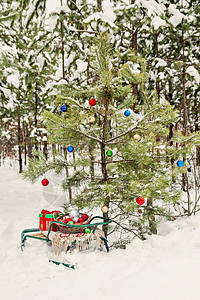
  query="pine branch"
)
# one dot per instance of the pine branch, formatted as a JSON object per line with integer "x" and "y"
{"x": 81, "y": 106}
{"x": 130, "y": 130}
{"x": 75, "y": 130}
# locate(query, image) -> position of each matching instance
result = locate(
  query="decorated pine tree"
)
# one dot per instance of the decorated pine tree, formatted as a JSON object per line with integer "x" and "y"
{"x": 120, "y": 155}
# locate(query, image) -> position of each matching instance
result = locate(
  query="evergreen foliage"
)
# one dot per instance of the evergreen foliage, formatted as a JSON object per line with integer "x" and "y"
{"x": 137, "y": 168}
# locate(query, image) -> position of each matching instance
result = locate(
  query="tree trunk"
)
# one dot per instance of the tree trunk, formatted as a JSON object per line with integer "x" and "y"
{"x": 134, "y": 47}
{"x": 151, "y": 217}
{"x": 185, "y": 111}
{"x": 99, "y": 5}
{"x": 36, "y": 115}
{"x": 171, "y": 128}
{"x": 67, "y": 174}
{"x": 28, "y": 142}
{"x": 62, "y": 47}
{"x": 19, "y": 139}
{"x": 103, "y": 162}
{"x": 196, "y": 124}
{"x": 156, "y": 55}
{"x": 74, "y": 160}
{"x": 92, "y": 164}
{"x": 185, "y": 128}
{"x": 24, "y": 144}
{"x": 45, "y": 151}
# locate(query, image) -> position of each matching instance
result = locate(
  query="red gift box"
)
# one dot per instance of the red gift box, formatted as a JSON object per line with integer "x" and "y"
{"x": 45, "y": 219}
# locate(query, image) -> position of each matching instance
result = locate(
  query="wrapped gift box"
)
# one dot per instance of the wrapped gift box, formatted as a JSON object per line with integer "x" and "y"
{"x": 45, "y": 219}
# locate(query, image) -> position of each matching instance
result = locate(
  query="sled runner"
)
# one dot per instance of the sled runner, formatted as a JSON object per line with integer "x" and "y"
{"x": 64, "y": 240}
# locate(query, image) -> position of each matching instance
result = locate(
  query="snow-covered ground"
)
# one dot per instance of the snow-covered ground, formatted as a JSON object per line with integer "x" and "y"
{"x": 164, "y": 267}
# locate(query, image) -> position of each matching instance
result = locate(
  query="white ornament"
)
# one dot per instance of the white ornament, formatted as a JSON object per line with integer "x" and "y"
{"x": 74, "y": 213}
{"x": 137, "y": 137}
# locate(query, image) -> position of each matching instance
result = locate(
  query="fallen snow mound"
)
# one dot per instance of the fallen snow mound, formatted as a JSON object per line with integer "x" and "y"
{"x": 166, "y": 266}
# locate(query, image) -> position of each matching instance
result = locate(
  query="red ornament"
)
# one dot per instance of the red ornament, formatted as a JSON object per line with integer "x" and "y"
{"x": 45, "y": 182}
{"x": 75, "y": 223}
{"x": 92, "y": 102}
{"x": 64, "y": 221}
{"x": 140, "y": 200}
{"x": 68, "y": 220}
{"x": 84, "y": 217}
{"x": 80, "y": 220}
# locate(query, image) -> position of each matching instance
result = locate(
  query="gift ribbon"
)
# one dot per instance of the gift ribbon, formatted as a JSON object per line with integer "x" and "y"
{"x": 46, "y": 212}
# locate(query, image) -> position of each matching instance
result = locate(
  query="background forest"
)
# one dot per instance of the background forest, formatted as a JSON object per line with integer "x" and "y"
{"x": 139, "y": 62}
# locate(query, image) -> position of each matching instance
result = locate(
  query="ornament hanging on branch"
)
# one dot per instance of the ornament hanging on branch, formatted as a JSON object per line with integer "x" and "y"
{"x": 104, "y": 209}
{"x": 84, "y": 152}
{"x": 91, "y": 119}
{"x": 64, "y": 108}
{"x": 127, "y": 113}
{"x": 70, "y": 149}
{"x": 180, "y": 163}
{"x": 137, "y": 137}
{"x": 140, "y": 200}
{"x": 92, "y": 102}
{"x": 45, "y": 182}
{"x": 109, "y": 153}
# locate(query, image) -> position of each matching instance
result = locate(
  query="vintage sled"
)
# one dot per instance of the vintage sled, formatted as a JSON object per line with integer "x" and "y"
{"x": 35, "y": 233}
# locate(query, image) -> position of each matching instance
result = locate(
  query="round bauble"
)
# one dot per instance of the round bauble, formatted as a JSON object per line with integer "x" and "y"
{"x": 137, "y": 137}
{"x": 104, "y": 209}
{"x": 80, "y": 220}
{"x": 92, "y": 102}
{"x": 45, "y": 182}
{"x": 68, "y": 220}
{"x": 70, "y": 223}
{"x": 74, "y": 213}
{"x": 84, "y": 216}
{"x": 127, "y": 113}
{"x": 180, "y": 163}
{"x": 84, "y": 152}
{"x": 140, "y": 200}
{"x": 70, "y": 149}
{"x": 75, "y": 219}
{"x": 109, "y": 153}
{"x": 63, "y": 108}
{"x": 87, "y": 230}
{"x": 91, "y": 119}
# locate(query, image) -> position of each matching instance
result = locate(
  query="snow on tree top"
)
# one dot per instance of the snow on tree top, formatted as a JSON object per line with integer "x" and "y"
{"x": 157, "y": 22}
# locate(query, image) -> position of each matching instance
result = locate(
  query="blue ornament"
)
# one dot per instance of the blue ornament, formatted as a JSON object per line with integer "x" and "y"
{"x": 180, "y": 163}
{"x": 63, "y": 108}
{"x": 127, "y": 113}
{"x": 70, "y": 149}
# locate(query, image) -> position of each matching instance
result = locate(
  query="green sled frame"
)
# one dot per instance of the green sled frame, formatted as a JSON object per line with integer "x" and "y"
{"x": 31, "y": 233}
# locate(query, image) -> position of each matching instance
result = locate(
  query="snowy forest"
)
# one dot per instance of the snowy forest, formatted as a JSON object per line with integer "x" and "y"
{"x": 108, "y": 93}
